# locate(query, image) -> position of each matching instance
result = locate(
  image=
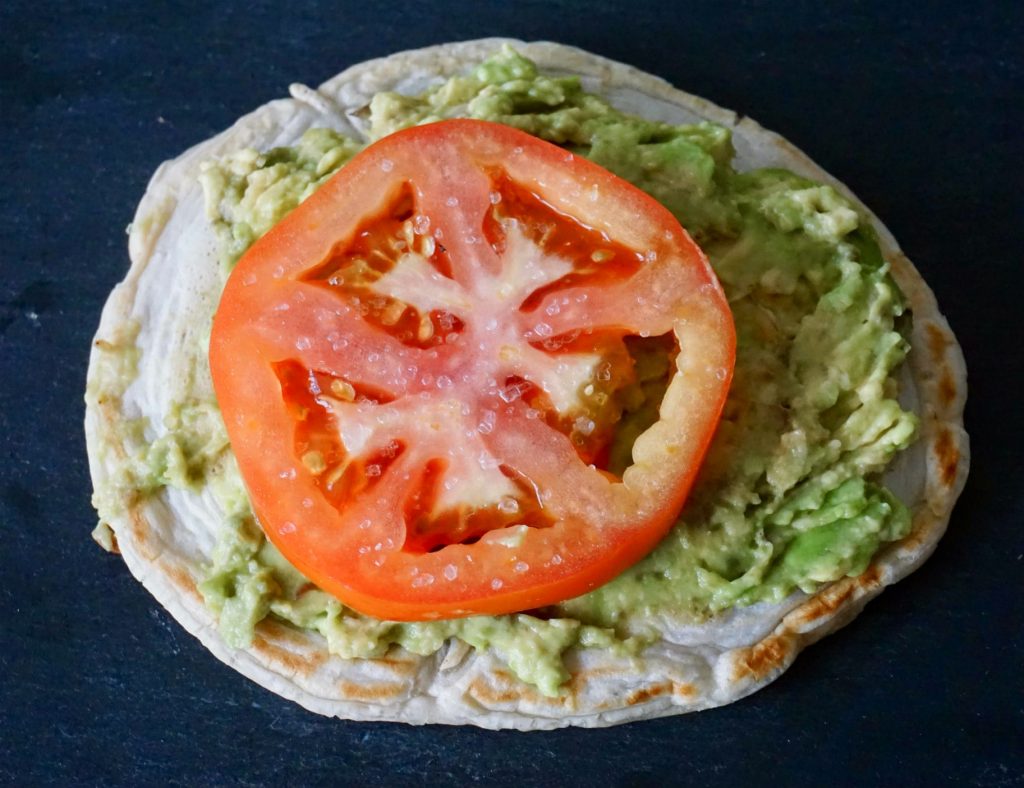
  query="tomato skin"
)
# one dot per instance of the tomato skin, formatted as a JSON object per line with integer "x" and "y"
{"x": 276, "y": 311}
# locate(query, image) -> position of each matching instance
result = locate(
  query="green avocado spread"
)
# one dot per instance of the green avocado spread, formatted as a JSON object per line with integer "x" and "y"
{"x": 789, "y": 496}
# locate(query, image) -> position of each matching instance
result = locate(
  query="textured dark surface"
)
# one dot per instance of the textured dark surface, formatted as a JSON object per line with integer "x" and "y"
{"x": 918, "y": 112}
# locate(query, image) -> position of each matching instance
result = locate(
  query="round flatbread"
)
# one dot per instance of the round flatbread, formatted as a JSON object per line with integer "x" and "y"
{"x": 156, "y": 316}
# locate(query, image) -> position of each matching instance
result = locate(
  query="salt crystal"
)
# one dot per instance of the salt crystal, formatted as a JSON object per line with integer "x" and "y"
{"x": 486, "y": 424}
{"x": 584, "y": 426}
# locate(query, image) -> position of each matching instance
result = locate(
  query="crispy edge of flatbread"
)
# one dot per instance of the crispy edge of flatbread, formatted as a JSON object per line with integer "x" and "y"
{"x": 712, "y": 666}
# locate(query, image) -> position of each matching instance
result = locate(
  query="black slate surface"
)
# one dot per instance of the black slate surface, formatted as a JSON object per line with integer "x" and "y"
{"x": 918, "y": 110}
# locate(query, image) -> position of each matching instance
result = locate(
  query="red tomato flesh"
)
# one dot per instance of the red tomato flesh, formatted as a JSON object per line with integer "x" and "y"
{"x": 403, "y": 365}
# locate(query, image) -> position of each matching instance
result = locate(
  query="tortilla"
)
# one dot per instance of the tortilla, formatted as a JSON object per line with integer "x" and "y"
{"x": 166, "y": 539}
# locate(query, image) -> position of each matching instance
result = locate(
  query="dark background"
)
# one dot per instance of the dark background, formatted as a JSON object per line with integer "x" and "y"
{"x": 919, "y": 111}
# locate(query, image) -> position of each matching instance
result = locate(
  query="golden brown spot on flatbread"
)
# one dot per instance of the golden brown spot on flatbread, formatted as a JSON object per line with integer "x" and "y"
{"x": 139, "y": 529}
{"x": 578, "y": 680}
{"x": 922, "y": 522}
{"x": 481, "y": 691}
{"x": 111, "y": 414}
{"x": 836, "y": 596}
{"x": 788, "y": 148}
{"x": 301, "y": 664}
{"x": 947, "y": 389}
{"x": 183, "y": 581}
{"x": 684, "y": 691}
{"x": 398, "y": 661}
{"x": 948, "y": 457}
{"x": 283, "y": 633}
{"x": 825, "y": 603}
{"x": 647, "y": 693}
{"x": 351, "y": 690}
{"x": 871, "y": 577}
{"x": 763, "y": 658}
{"x": 937, "y": 341}
{"x": 512, "y": 690}
{"x": 114, "y": 548}
{"x": 402, "y": 666}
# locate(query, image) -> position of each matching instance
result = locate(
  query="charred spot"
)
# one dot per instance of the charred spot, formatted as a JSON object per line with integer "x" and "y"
{"x": 365, "y": 691}
{"x": 826, "y": 603}
{"x": 937, "y": 341}
{"x": 764, "y": 658}
{"x": 871, "y": 577}
{"x": 482, "y": 692}
{"x": 948, "y": 457}
{"x": 947, "y": 389}
{"x": 645, "y": 694}
{"x": 183, "y": 581}
{"x": 303, "y": 664}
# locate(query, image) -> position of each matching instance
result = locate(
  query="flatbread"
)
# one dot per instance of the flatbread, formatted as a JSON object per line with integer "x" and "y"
{"x": 166, "y": 539}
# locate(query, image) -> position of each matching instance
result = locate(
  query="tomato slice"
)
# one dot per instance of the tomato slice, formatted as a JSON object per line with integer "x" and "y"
{"x": 408, "y": 366}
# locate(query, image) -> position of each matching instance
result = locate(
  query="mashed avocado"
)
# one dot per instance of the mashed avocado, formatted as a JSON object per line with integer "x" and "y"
{"x": 789, "y": 497}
